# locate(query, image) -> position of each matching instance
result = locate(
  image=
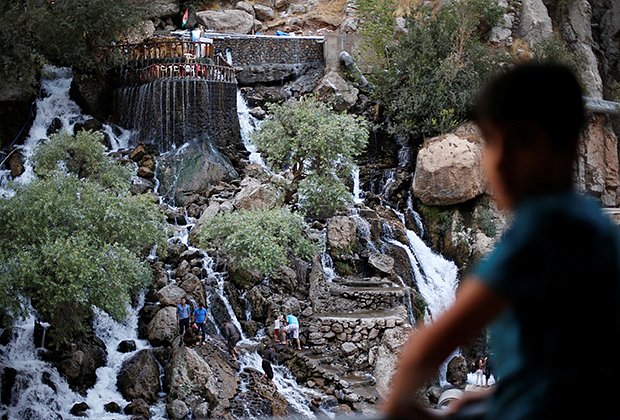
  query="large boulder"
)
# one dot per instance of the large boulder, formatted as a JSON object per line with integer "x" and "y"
{"x": 254, "y": 195}
{"x": 341, "y": 235}
{"x": 206, "y": 216}
{"x": 79, "y": 362}
{"x": 163, "y": 327}
{"x": 535, "y": 24}
{"x": 387, "y": 357}
{"x": 92, "y": 94}
{"x": 204, "y": 372}
{"x": 192, "y": 170}
{"x": 598, "y": 171}
{"x": 139, "y": 377}
{"x": 162, "y": 8}
{"x": 335, "y": 90}
{"x": 448, "y": 171}
{"x": 227, "y": 21}
{"x": 171, "y": 295}
{"x": 456, "y": 372}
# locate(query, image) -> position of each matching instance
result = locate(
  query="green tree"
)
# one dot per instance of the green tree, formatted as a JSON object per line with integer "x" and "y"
{"x": 67, "y": 243}
{"x": 82, "y": 155}
{"x": 317, "y": 145}
{"x": 437, "y": 66}
{"x": 260, "y": 240}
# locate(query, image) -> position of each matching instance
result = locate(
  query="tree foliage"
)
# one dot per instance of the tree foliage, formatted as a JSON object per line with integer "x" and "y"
{"x": 309, "y": 139}
{"x": 68, "y": 243}
{"x": 82, "y": 155}
{"x": 63, "y": 32}
{"x": 435, "y": 68}
{"x": 260, "y": 240}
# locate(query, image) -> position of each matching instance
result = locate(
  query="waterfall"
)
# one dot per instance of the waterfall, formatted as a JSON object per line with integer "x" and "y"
{"x": 55, "y": 105}
{"x": 248, "y": 124}
{"x": 357, "y": 193}
{"x": 41, "y": 392}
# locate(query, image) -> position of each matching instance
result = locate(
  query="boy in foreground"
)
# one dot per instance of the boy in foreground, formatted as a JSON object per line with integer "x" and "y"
{"x": 550, "y": 288}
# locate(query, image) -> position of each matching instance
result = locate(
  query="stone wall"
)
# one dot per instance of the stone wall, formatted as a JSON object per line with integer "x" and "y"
{"x": 265, "y": 60}
{"x": 355, "y": 339}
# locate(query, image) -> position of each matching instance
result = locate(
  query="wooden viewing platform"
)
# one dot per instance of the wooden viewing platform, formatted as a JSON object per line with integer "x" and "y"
{"x": 169, "y": 59}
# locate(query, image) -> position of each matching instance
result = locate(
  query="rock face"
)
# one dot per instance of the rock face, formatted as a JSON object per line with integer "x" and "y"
{"x": 163, "y": 328}
{"x": 341, "y": 234}
{"x": 254, "y": 195}
{"x": 597, "y": 168}
{"x": 387, "y": 352}
{"x": 535, "y": 24}
{"x": 448, "y": 171}
{"x": 227, "y": 21}
{"x": 139, "y": 377}
{"x": 92, "y": 95}
{"x": 334, "y": 89}
{"x": 203, "y": 372}
{"x": 456, "y": 373}
{"x": 192, "y": 170}
{"x": 162, "y": 8}
{"x": 79, "y": 363}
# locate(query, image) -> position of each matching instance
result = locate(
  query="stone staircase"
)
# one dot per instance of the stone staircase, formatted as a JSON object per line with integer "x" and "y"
{"x": 344, "y": 338}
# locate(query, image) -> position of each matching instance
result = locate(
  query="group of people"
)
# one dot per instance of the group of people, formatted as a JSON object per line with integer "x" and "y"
{"x": 286, "y": 330}
{"x": 193, "y": 327}
{"x": 483, "y": 368}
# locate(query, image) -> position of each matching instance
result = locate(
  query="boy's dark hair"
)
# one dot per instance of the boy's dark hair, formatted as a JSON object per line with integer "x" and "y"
{"x": 546, "y": 95}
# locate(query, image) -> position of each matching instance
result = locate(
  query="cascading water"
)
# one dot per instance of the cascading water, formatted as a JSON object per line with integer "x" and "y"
{"x": 248, "y": 124}
{"x": 41, "y": 392}
{"x": 55, "y": 105}
{"x": 357, "y": 192}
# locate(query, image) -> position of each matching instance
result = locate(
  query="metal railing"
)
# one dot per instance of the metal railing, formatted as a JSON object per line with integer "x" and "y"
{"x": 160, "y": 50}
{"x": 193, "y": 71}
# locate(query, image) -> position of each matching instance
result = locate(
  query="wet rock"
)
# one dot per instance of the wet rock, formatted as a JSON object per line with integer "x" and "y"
{"x": 260, "y": 399}
{"x": 54, "y": 127}
{"x": 382, "y": 262}
{"x": 15, "y": 163}
{"x": 46, "y": 378}
{"x": 456, "y": 373}
{"x": 341, "y": 235}
{"x": 335, "y": 90}
{"x": 126, "y": 346}
{"x": 6, "y": 385}
{"x": 79, "y": 409}
{"x": 112, "y": 407}
{"x": 177, "y": 410}
{"x": 175, "y": 249}
{"x": 171, "y": 295}
{"x": 138, "y": 407}
{"x": 140, "y": 186}
{"x": 139, "y": 377}
{"x": 138, "y": 152}
{"x": 92, "y": 95}
{"x": 79, "y": 362}
{"x": 144, "y": 172}
{"x": 201, "y": 412}
{"x": 6, "y": 336}
{"x": 258, "y": 112}
{"x": 163, "y": 328}
{"x": 91, "y": 124}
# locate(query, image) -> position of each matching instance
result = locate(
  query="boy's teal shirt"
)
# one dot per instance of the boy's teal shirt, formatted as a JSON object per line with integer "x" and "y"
{"x": 558, "y": 264}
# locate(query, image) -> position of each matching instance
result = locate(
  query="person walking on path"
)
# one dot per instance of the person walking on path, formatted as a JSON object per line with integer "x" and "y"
{"x": 232, "y": 337}
{"x": 292, "y": 334}
{"x": 559, "y": 248}
{"x": 269, "y": 357}
{"x": 183, "y": 313}
{"x": 200, "y": 319}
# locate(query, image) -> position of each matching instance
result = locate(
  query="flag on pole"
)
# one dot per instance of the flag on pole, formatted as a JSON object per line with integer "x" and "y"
{"x": 185, "y": 17}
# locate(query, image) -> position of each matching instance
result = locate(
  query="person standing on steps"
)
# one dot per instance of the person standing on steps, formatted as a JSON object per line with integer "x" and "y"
{"x": 292, "y": 333}
{"x": 200, "y": 319}
{"x": 277, "y": 325}
{"x": 183, "y": 313}
{"x": 480, "y": 371}
{"x": 232, "y": 337}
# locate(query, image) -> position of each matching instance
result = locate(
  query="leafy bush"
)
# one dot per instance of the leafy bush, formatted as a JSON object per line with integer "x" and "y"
{"x": 68, "y": 243}
{"x": 311, "y": 140}
{"x": 553, "y": 50}
{"x": 260, "y": 240}
{"x": 82, "y": 155}
{"x": 436, "y": 68}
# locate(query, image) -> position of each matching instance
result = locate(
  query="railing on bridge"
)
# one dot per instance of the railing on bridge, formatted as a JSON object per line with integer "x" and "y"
{"x": 169, "y": 59}
{"x": 152, "y": 72}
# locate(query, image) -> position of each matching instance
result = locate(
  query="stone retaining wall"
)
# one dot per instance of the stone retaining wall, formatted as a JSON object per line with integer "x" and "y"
{"x": 347, "y": 299}
{"x": 251, "y": 51}
{"x": 355, "y": 339}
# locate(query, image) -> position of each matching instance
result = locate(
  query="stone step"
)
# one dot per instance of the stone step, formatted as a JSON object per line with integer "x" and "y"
{"x": 366, "y": 282}
{"x": 353, "y": 289}
{"x": 358, "y": 315}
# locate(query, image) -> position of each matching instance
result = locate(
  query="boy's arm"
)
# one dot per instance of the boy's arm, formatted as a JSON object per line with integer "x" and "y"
{"x": 475, "y": 306}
